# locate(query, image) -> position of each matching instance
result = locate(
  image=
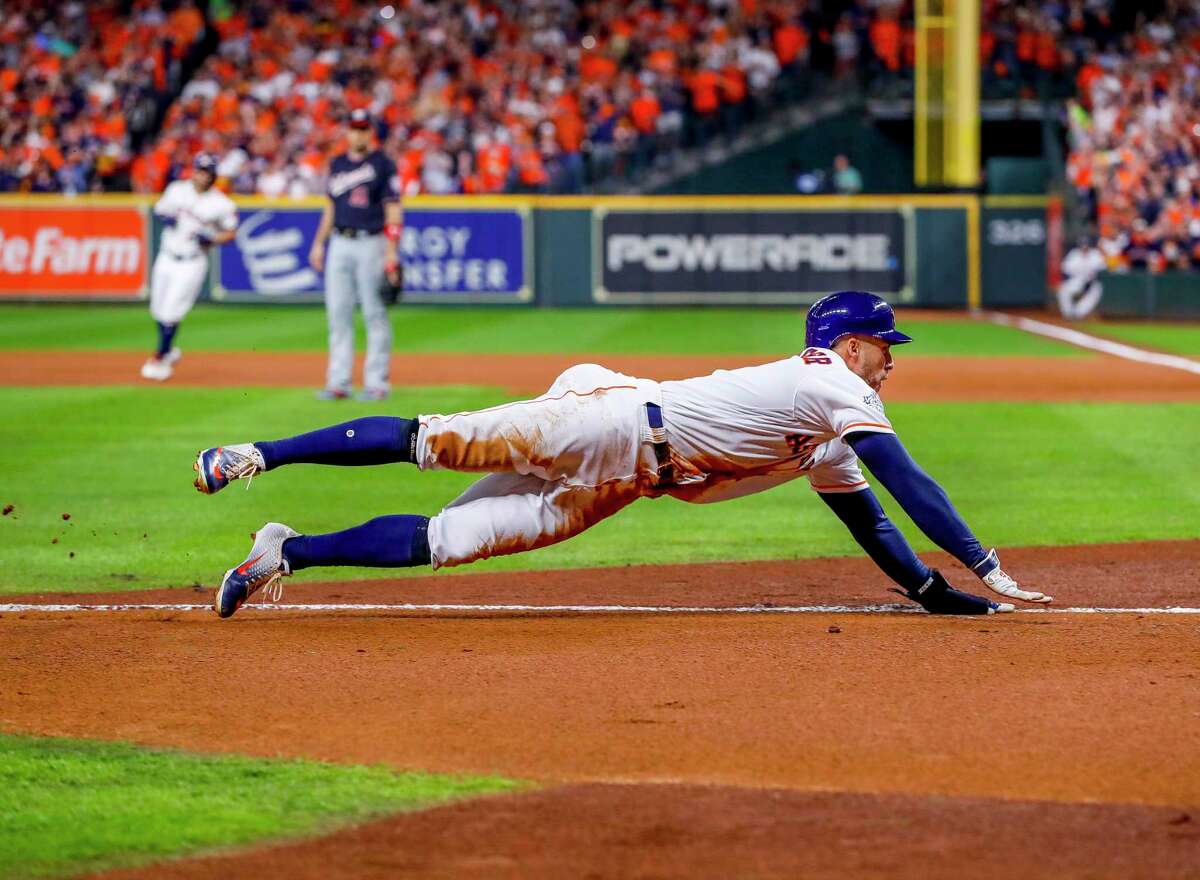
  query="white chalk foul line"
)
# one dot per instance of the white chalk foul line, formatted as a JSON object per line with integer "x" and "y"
{"x": 18, "y": 608}
{"x": 1095, "y": 343}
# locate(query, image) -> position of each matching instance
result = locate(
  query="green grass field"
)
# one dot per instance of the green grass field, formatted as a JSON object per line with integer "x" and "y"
{"x": 72, "y": 805}
{"x": 482, "y": 330}
{"x": 1177, "y": 338}
{"x": 1021, "y": 474}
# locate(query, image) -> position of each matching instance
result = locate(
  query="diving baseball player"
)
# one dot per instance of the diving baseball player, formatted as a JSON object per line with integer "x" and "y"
{"x": 597, "y": 441}
{"x": 363, "y": 216}
{"x": 196, "y": 217}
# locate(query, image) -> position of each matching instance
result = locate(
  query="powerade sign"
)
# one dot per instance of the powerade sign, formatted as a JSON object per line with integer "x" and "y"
{"x": 744, "y": 256}
{"x": 448, "y": 256}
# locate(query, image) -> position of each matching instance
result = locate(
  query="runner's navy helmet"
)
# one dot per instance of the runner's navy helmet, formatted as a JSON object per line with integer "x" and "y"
{"x": 851, "y": 312}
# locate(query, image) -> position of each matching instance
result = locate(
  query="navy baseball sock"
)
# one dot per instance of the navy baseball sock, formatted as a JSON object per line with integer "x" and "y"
{"x": 370, "y": 440}
{"x": 166, "y": 335}
{"x": 383, "y": 542}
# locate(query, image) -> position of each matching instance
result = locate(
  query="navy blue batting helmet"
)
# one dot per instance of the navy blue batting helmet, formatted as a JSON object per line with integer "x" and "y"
{"x": 205, "y": 162}
{"x": 851, "y": 311}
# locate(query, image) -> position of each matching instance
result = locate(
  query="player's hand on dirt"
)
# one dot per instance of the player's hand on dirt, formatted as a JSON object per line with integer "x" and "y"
{"x": 999, "y": 582}
{"x": 316, "y": 257}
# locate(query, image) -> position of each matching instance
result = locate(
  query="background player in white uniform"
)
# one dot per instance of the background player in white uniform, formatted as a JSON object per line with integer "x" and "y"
{"x": 598, "y": 440}
{"x": 1081, "y": 290}
{"x": 196, "y": 216}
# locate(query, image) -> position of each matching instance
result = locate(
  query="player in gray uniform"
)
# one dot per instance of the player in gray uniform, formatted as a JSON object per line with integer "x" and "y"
{"x": 363, "y": 219}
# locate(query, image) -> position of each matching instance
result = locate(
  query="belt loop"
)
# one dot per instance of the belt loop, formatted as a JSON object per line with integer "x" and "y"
{"x": 658, "y": 439}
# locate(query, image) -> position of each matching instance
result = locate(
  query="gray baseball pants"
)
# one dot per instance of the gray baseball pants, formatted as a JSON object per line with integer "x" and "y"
{"x": 354, "y": 271}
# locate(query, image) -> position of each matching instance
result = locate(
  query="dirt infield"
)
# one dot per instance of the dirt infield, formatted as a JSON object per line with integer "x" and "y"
{"x": 916, "y": 377}
{"x": 801, "y": 744}
{"x": 593, "y": 830}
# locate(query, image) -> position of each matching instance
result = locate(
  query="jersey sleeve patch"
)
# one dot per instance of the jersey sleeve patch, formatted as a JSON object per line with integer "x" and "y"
{"x": 859, "y": 412}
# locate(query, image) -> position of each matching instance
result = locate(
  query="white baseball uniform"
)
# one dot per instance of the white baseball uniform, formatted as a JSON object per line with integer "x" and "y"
{"x": 1080, "y": 291}
{"x": 178, "y": 273}
{"x": 577, "y": 454}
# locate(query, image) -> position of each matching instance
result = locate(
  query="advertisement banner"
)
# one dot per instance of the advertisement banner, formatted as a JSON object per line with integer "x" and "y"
{"x": 1013, "y": 256}
{"x": 469, "y": 256}
{"x": 447, "y": 256}
{"x": 69, "y": 251}
{"x": 268, "y": 256}
{"x": 784, "y": 256}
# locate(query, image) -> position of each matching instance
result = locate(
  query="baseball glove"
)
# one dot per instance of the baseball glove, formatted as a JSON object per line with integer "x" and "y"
{"x": 390, "y": 293}
{"x": 937, "y": 597}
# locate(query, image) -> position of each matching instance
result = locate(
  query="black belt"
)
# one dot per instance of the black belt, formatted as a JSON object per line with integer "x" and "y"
{"x": 356, "y": 232}
{"x": 662, "y": 451}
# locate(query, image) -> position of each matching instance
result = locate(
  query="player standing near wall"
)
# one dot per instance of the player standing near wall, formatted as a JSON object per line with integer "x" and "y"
{"x": 363, "y": 217}
{"x": 196, "y": 217}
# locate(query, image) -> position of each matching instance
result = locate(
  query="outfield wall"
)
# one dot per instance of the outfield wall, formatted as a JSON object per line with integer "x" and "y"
{"x": 922, "y": 250}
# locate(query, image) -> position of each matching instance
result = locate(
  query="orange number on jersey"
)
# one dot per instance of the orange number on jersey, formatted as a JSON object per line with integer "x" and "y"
{"x": 814, "y": 356}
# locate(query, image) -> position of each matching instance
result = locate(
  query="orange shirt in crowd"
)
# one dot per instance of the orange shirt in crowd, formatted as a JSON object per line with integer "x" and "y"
{"x": 645, "y": 110}
{"x": 570, "y": 131}
{"x": 885, "y": 40}
{"x": 597, "y": 67}
{"x": 494, "y": 162}
{"x": 531, "y": 170}
{"x": 662, "y": 61}
{"x": 1047, "y": 51}
{"x": 790, "y": 41}
{"x": 733, "y": 84}
{"x": 408, "y": 169}
{"x": 704, "y": 85}
{"x": 1026, "y": 44}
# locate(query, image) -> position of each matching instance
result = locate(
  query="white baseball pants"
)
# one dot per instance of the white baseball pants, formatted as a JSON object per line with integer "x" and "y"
{"x": 175, "y": 283}
{"x": 558, "y": 464}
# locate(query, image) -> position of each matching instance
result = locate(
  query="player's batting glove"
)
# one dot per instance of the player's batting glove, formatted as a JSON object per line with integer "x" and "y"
{"x": 937, "y": 597}
{"x": 994, "y": 576}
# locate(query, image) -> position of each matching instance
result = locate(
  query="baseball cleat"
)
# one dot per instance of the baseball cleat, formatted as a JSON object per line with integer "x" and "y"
{"x": 216, "y": 468}
{"x": 262, "y": 569}
{"x": 157, "y": 369}
{"x": 333, "y": 394}
{"x": 173, "y": 356}
{"x": 372, "y": 395}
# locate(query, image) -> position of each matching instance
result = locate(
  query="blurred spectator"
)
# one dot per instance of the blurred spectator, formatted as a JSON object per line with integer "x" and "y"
{"x": 847, "y": 181}
{"x": 81, "y": 85}
{"x": 540, "y": 96}
{"x": 1081, "y": 290}
{"x": 1134, "y": 134}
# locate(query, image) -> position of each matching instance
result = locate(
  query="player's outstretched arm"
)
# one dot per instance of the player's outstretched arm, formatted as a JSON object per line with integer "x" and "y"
{"x": 861, "y": 513}
{"x": 930, "y": 508}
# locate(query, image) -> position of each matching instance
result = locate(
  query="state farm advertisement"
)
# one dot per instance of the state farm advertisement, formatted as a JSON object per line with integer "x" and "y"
{"x": 84, "y": 251}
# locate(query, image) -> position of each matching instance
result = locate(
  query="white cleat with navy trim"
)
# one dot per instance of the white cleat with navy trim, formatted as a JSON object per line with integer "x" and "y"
{"x": 262, "y": 569}
{"x": 216, "y": 468}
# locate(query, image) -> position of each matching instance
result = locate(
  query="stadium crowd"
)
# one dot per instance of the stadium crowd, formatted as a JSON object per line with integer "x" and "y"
{"x": 1134, "y": 134}
{"x": 482, "y": 96}
{"x": 477, "y": 96}
{"x": 81, "y": 85}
